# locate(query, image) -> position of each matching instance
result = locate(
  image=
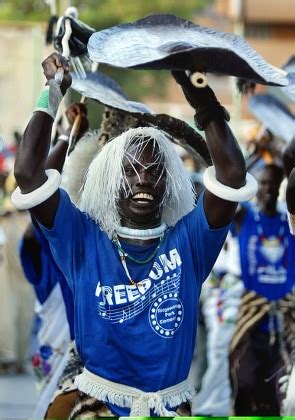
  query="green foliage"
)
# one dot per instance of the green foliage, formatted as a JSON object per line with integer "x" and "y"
{"x": 137, "y": 84}
{"x": 104, "y": 13}
{"x": 101, "y": 13}
{"x": 22, "y": 10}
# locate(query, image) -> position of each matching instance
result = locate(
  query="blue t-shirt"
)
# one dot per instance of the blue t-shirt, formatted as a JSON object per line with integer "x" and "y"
{"x": 141, "y": 336}
{"x": 267, "y": 250}
{"x": 50, "y": 275}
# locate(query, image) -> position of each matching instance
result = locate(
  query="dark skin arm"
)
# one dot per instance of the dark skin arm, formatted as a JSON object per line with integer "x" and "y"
{"x": 33, "y": 247}
{"x": 225, "y": 152}
{"x": 55, "y": 160}
{"x": 230, "y": 170}
{"x": 57, "y": 156}
{"x": 30, "y": 163}
{"x": 289, "y": 168}
{"x": 290, "y": 193}
{"x": 289, "y": 158}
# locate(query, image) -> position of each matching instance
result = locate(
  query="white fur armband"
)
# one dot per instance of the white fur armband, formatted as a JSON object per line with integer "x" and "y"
{"x": 49, "y": 99}
{"x": 291, "y": 221}
{"x": 38, "y": 196}
{"x": 244, "y": 193}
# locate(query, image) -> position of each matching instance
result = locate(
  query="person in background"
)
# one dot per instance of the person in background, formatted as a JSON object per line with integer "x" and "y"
{"x": 264, "y": 338}
{"x": 16, "y": 296}
{"x": 221, "y": 294}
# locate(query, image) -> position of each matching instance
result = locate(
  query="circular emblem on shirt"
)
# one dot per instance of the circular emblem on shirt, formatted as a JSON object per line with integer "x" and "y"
{"x": 166, "y": 315}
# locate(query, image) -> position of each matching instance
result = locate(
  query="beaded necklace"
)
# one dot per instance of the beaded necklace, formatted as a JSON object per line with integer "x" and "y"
{"x": 263, "y": 239}
{"x": 124, "y": 255}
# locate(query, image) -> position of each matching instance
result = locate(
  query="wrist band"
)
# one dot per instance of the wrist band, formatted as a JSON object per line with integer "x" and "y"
{"x": 63, "y": 137}
{"x": 42, "y": 102}
{"x": 244, "y": 193}
{"x": 27, "y": 201}
{"x": 49, "y": 99}
{"x": 291, "y": 221}
{"x": 205, "y": 114}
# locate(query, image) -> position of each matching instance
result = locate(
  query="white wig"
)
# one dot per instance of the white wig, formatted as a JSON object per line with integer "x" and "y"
{"x": 106, "y": 177}
{"x": 77, "y": 164}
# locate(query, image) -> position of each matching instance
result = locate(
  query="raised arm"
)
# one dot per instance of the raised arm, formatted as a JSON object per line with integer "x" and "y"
{"x": 230, "y": 171}
{"x": 55, "y": 160}
{"x": 30, "y": 163}
{"x": 290, "y": 194}
{"x": 57, "y": 155}
{"x": 289, "y": 157}
{"x": 225, "y": 182}
{"x": 289, "y": 167}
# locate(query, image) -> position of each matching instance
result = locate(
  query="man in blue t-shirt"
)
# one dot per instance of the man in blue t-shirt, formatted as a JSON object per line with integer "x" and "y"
{"x": 136, "y": 251}
{"x": 266, "y": 252}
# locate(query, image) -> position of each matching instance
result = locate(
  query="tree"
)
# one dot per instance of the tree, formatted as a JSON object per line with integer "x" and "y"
{"x": 101, "y": 13}
{"x": 104, "y": 13}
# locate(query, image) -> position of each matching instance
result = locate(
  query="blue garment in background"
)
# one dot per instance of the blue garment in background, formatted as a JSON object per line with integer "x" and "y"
{"x": 267, "y": 268}
{"x": 267, "y": 260}
{"x": 50, "y": 276}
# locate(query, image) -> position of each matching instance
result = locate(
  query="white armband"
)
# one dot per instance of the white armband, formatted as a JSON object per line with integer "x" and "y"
{"x": 244, "y": 193}
{"x": 27, "y": 201}
{"x": 49, "y": 99}
{"x": 64, "y": 137}
{"x": 291, "y": 221}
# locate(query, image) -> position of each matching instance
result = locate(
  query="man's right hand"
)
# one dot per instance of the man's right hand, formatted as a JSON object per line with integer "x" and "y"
{"x": 50, "y": 66}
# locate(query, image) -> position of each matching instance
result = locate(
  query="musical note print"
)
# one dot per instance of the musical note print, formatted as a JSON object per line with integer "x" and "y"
{"x": 120, "y": 315}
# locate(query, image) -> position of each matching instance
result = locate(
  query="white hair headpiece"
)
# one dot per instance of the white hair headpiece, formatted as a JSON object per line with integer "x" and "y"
{"x": 105, "y": 178}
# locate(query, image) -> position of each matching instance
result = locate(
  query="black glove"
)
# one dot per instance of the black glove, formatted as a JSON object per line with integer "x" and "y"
{"x": 203, "y": 100}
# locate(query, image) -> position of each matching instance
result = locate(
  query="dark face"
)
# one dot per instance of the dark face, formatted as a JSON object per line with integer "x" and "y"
{"x": 144, "y": 186}
{"x": 268, "y": 190}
